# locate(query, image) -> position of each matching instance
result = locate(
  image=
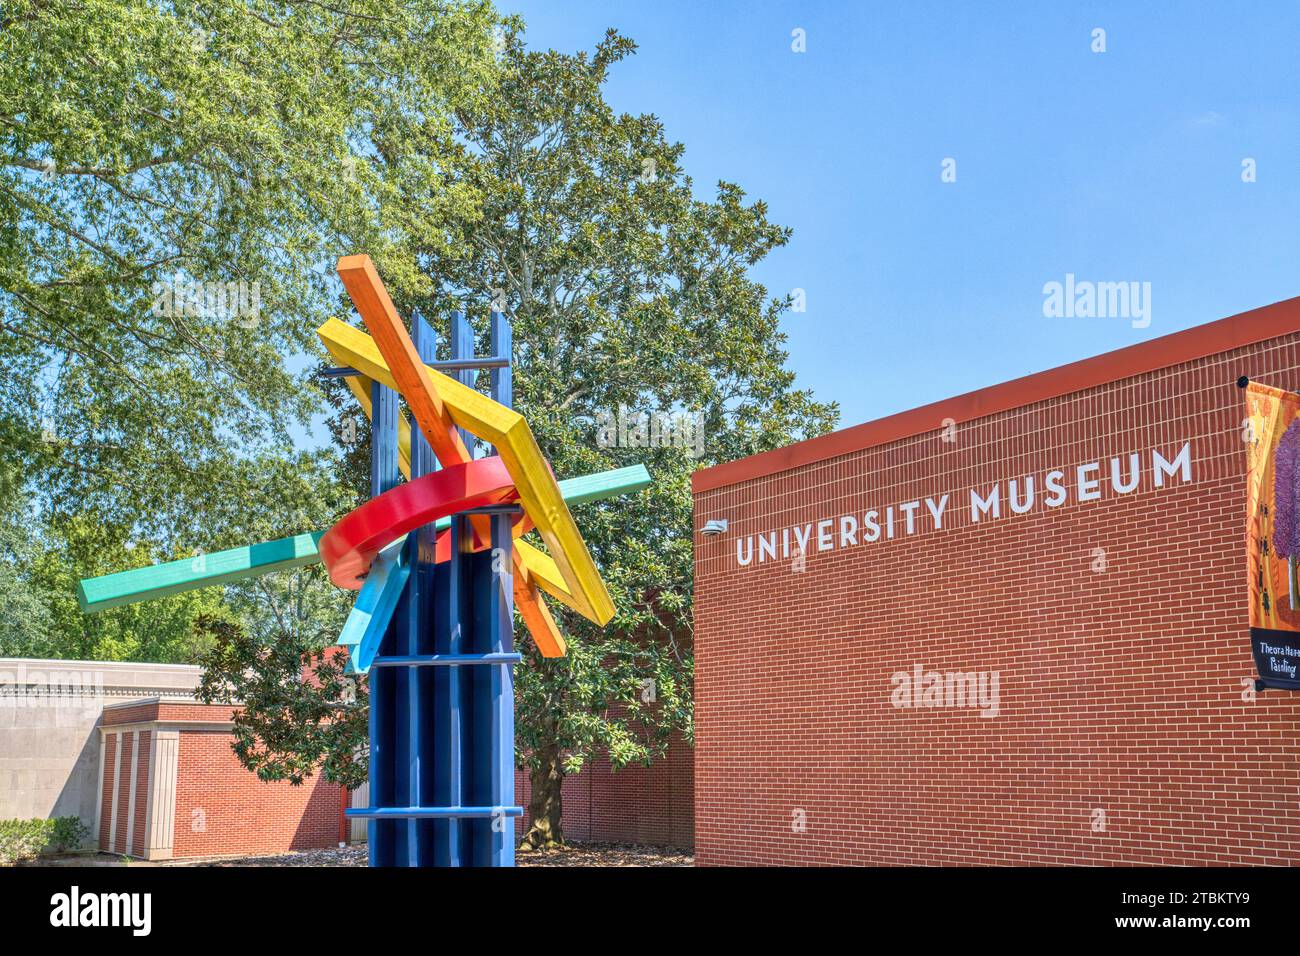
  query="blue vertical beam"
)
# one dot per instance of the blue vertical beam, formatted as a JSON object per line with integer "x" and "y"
{"x": 501, "y": 620}
{"x": 490, "y": 840}
{"x": 442, "y": 738}
{"x": 399, "y": 702}
{"x": 384, "y": 474}
{"x": 417, "y": 639}
{"x": 449, "y": 617}
{"x": 462, "y": 347}
{"x": 503, "y": 381}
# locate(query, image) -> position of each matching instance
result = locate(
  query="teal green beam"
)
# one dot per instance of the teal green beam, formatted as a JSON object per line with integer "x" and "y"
{"x": 251, "y": 561}
{"x": 188, "y": 574}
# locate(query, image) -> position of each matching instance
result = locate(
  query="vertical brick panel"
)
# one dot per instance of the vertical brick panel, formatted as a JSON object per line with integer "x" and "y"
{"x": 126, "y": 744}
{"x": 106, "y": 803}
{"x": 142, "y": 779}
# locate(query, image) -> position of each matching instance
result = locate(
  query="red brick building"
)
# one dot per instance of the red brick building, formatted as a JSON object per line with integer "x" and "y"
{"x": 1016, "y": 634}
{"x": 171, "y": 787}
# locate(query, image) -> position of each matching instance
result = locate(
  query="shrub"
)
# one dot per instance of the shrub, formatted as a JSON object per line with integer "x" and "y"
{"x": 26, "y": 839}
{"x": 67, "y": 833}
{"x": 23, "y": 839}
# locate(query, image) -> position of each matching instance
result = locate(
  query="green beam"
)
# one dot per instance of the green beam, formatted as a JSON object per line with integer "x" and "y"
{"x": 604, "y": 484}
{"x": 250, "y": 561}
{"x": 187, "y": 574}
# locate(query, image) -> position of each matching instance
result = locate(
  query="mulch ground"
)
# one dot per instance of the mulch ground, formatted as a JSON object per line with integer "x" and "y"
{"x": 607, "y": 854}
{"x": 577, "y": 854}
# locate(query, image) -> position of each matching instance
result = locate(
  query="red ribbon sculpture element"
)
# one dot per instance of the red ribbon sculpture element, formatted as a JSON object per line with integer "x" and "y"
{"x": 350, "y": 546}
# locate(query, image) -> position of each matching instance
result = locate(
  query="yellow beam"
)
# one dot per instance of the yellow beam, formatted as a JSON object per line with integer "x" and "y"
{"x": 510, "y": 434}
{"x": 540, "y": 566}
{"x": 545, "y": 574}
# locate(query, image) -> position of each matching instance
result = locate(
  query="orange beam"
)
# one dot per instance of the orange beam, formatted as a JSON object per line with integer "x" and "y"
{"x": 389, "y": 333}
{"x": 394, "y": 343}
{"x": 532, "y": 608}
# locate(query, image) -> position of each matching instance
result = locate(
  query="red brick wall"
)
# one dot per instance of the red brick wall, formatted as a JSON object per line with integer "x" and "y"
{"x": 652, "y": 805}
{"x": 221, "y": 808}
{"x": 1123, "y": 691}
{"x": 141, "y": 793}
{"x": 168, "y": 710}
{"x": 126, "y": 746}
{"x": 131, "y": 715}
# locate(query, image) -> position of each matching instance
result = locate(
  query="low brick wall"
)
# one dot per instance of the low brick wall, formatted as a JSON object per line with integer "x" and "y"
{"x": 652, "y": 805}
{"x": 172, "y": 787}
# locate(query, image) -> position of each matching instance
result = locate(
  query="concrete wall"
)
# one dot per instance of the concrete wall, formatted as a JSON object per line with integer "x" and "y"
{"x": 49, "y": 712}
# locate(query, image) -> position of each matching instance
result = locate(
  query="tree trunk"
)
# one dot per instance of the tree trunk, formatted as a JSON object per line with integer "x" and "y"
{"x": 545, "y": 802}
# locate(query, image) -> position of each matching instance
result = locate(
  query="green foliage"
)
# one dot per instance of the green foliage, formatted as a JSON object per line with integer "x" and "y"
{"x": 23, "y": 840}
{"x": 267, "y": 648}
{"x": 252, "y": 142}
{"x": 67, "y": 833}
{"x": 24, "y": 629}
{"x": 146, "y": 146}
{"x": 160, "y": 631}
{"x": 301, "y": 714}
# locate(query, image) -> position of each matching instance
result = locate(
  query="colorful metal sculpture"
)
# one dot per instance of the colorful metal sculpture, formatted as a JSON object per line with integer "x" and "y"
{"x": 436, "y": 563}
{"x": 301, "y": 550}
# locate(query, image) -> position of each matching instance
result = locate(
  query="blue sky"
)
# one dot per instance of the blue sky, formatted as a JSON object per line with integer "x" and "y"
{"x": 1117, "y": 166}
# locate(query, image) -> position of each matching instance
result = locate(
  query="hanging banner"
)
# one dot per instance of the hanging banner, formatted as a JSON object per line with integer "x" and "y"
{"x": 1272, "y": 437}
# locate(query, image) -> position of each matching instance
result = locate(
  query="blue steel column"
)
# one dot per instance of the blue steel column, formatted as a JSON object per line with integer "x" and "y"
{"x": 441, "y": 686}
{"x": 462, "y": 347}
{"x": 480, "y": 601}
{"x": 384, "y": 474}
{"x": 417, "y": 637}
{"x": 450, "y": 605}
{"x": 501, "y": 628}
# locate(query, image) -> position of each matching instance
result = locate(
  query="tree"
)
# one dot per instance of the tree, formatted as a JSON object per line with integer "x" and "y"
{"x": 626, "y": 291}
{"x": 39, "y": 614}
{"x": 250, "y": 144}
{"x": 301, "y": 715}
{"x": 175, "y": 181}
{"x": 23, "y": 628}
